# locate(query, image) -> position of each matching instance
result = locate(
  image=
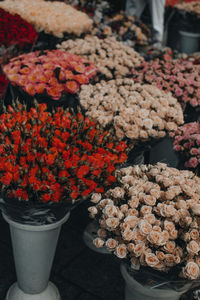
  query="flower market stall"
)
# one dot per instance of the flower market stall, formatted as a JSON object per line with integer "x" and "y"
{"x": 86, "y": 99}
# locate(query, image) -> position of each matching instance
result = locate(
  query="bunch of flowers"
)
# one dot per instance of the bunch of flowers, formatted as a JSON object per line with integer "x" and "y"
{"x": 180, "y": 77}
{"x": 181, "y": 2}
{"x": 3, "y": 85}
{"x": 54, "y": 72}
{"x": 54, "y": 18}
{"x": 152, "y": 218}
{"x": 191, "y": 7}
{"x": 112, "y": 58}
{"x": 126, "y": 29}
{"x": 57, "y": 157}
{"x": 137, "y": 112}
{"x": 187, "y": 141}
{"x": 14, "y": 30}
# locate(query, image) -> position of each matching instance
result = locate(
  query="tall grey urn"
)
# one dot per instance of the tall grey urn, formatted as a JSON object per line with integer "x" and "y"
{"x": 34, "y": 248}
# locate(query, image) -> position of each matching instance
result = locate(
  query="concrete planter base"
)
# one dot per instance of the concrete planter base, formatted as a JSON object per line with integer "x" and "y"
{"x": 50, "y": 293}
{"x": 34, "y": 248}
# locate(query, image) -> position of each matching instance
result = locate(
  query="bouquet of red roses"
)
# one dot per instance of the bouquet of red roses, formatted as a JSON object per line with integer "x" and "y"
{"x": 14, "y": 30}
{"x": 54, "y": 158}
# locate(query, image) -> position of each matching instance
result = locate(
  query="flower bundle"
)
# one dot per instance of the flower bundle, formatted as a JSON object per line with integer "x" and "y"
{"x": 137, "y": 112}
{"x": 191, "y": 7}
{"x": 54, "y": 72}
{"x": 14, "y": 30}
{"x": 187, "y": 141}
{"x": 54, "y": 18}
{"x": 112, "y": 58}
{"x": 180, "y": 77}
{"x": 152, "y": 218}
{"x": 127, "y": 29}
{"x": 56, "y": 157}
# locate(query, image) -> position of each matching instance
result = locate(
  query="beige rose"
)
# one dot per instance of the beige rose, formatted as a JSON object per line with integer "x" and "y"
{"x": 93, "y": 211}
{"x": 105, "y": 202}
{"x": 151, "y": 260}
{"x": 196, "y": 209}
{"x": 111, "y": 244}
{"x": 160, "y": 255}
{"x": 169, "y": 246}
{"x": 145, "y": 209}
{"x": 134, "y": 202}
{"x": 169, "y": 260}
{"x": 127, "y": 235}
{"x": 130, "y": 247}
{"x": 96, "y": 198}
{"x": 131, "y": 221}
{"x": 193, "y": 247}
{"x": 150, "y": 218}
{"x": 118, "y": 193}
{"x": 165, "y": 237}
{"x": 110, "y": 211}
{"x": 121, "y": 251}
{"x": 155, "y": 237}
{"x": 124, "y": 208}
{"x": 173, "y": 234}
{"x": 191, "y": 270}
{"x": 155, "y": 193}
{"x": 112, "y": 223}
{"x": 139, "y": 249}
{"x": 194, "y": 234}
{"x": 132, "y": 212}
{"x": 98, "y": 242}
{"x": 145, "y": 227}
{"x": 150, "y": 200}
{"x": 167, "y": 210}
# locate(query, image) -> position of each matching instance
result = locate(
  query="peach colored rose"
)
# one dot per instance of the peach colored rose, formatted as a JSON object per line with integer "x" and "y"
{"x": 118, "y": 193}
{"x": 131, "y": 221}
{"x": 150, "y": 200}
{"x": 105, "y": 202}
{"x": 173, "y": 234}
{"x": 191, "y": 270}
{"x": 167, "y": 210}
{"x": 139, "y": 249}
{"x": 155, "y": 193}
{"x": 194, "y": 234}
{"x": 155, "y": 237}
{"x": 98, "y": 242}
{"x": 150, "y": 218}
{"x": 145, "y": 209}
{"x": 121, "y": 251}
{"x": 95, "y": 198}
{"x": 132, "y": 212}
{"x": 110, "y": 211}
{"x": 111, "y": 244}
{"x": 165, "y": 236}
{"x": 169, "y": 260}
{"x": 93, "y": 211}
{"x": 124, "y": 208}
{"x": 178, "y": 251}
{"x": 127, "y": 235}
{"x": 157, "y": 228}
{"x": 193, "y": 247}
{"x": 196, "y": 209}
{"x": 160, "y": 255}
{"x": 169, "y": 246}
{"x": 144, "y": 227}
{"x": 130, "y": 247}
{"x": 137, "y": 236}
{"x": 134, "y": 202}
{"x": 112, "y": 223}
{"x": 151, "y": 259}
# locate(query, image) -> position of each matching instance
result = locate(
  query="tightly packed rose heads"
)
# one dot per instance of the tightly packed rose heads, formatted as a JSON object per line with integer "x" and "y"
{"x": 151, "y": 218}
{"x": 54, "y": 157}
{"x": 127, "y": 29}
{"x": 187, "y": 142}
{"x": 15, "y": 31}
{"x": 54, "y": 72}
{"x": 191, "y": 7}
{"x": 54, "y": 18}
{"x": 180, "y": 77}
{"x": 137, "y": 112}
{"x": 112, "y": 58}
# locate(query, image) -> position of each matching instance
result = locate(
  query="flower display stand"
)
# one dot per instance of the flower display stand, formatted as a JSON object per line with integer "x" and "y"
{"x": 161, "y": 291}
{"x": 34, "y": 249}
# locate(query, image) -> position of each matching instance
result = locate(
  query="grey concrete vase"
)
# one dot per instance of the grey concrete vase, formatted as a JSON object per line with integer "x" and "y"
{"x": 34, "y": 248}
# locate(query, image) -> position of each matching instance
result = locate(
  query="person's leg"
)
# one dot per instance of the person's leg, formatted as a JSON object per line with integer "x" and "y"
{"x": 157, "y": 8}
{"x": 135, "y": 7}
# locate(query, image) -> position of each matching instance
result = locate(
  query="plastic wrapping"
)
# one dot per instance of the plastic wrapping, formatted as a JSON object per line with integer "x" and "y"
{"x": 66, "y": 101}
{"x": 147, "y": 283}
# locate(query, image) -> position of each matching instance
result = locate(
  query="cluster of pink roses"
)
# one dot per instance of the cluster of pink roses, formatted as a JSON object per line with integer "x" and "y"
{"x": 151, "y": 218}
{"x": 180, "y": 77}
{"x": 55, "y": 72}
{"x": 187, "y": 142}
